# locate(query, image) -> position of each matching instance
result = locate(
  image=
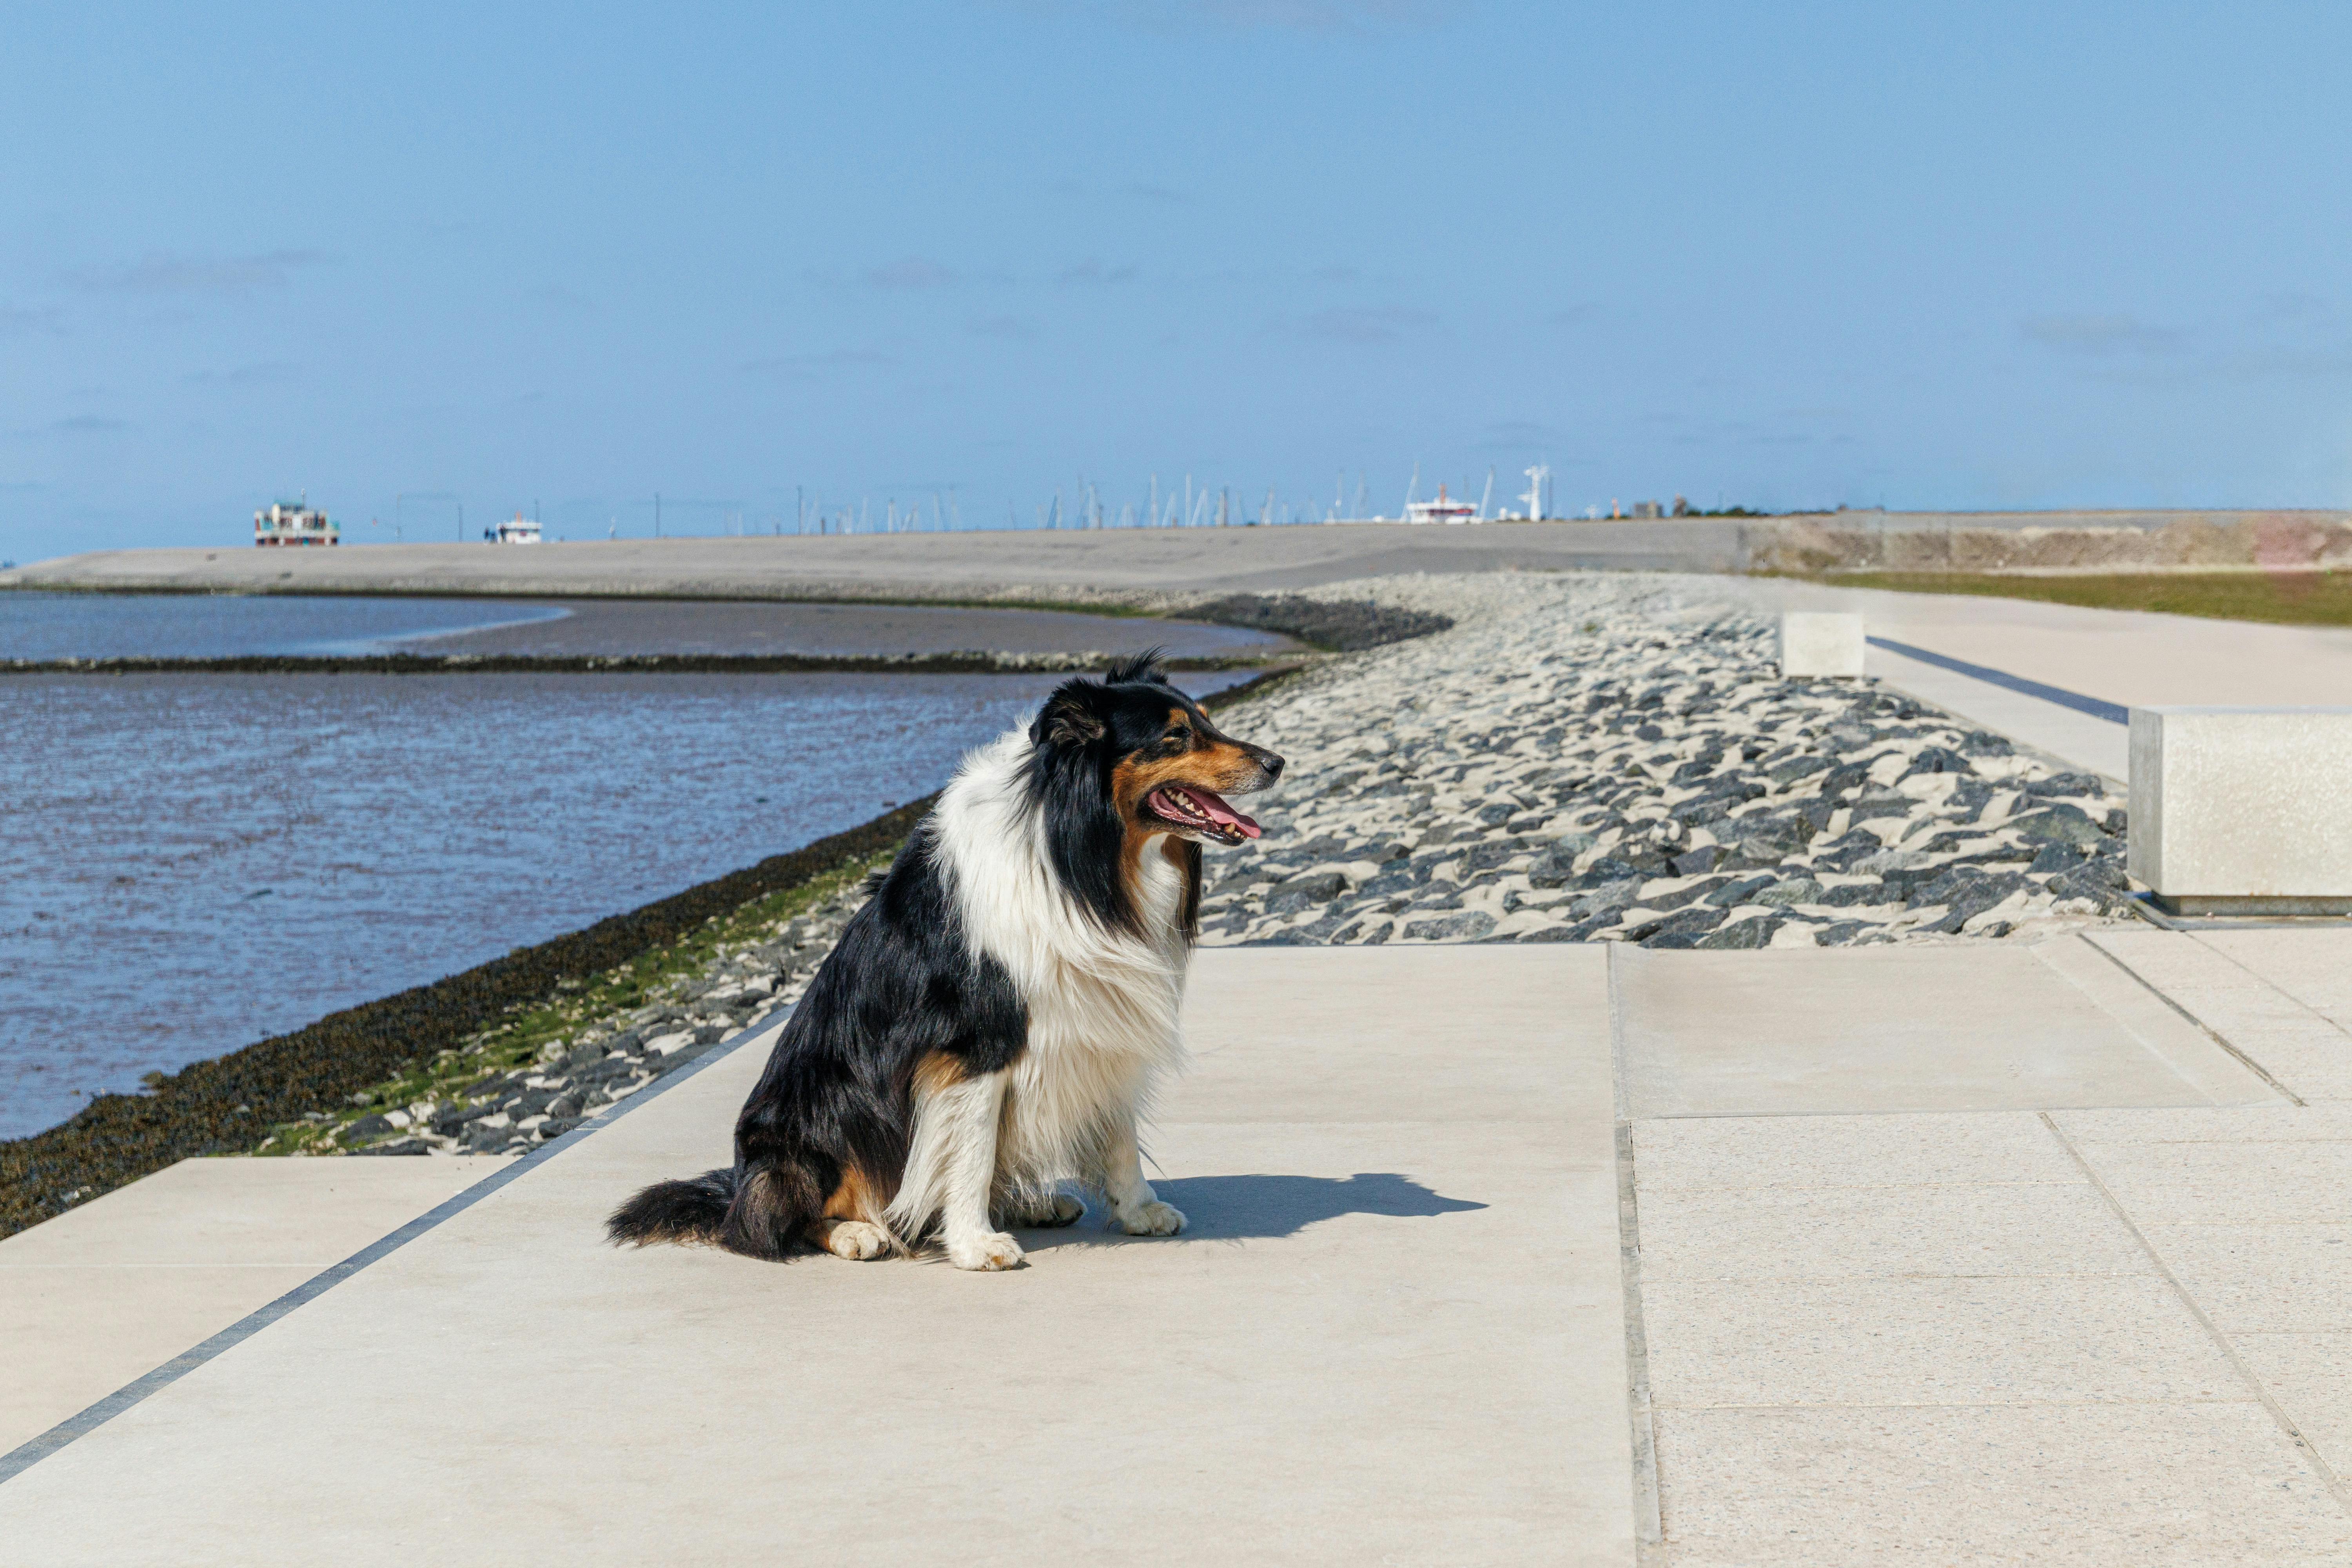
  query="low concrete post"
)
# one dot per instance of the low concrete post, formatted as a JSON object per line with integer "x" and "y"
{"x": 1817, "y": 643}
{"x": 2242, "y": 810}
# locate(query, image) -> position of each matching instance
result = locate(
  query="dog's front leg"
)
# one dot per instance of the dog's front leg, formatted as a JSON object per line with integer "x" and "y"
{"x": 968, "y": 1112}
{"x": 1134, "y": 1208}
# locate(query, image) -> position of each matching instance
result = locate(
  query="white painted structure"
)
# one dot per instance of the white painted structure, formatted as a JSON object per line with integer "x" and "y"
{"x": 1440, "y": 511}
{"x": 293, "y": 522}
{"x": 2241, "y": 810}
{"x": 515, "y": 530}
{"x": 1820, "y": 643}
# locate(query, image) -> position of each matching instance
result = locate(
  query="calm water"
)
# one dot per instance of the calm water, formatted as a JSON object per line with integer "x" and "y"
{"x": 189, "y": 863}
{"x": 223, "y": 626}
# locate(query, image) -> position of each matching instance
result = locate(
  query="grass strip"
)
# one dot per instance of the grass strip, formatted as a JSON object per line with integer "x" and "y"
{"x": 2278, "y": 599}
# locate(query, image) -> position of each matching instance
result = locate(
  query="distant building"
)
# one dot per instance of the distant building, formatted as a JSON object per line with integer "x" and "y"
{"x": 1648, "y": 509}
{"x": 515, "y": 530}
{"x": 294, "y": 523}
{"x": 1440, "y": 511}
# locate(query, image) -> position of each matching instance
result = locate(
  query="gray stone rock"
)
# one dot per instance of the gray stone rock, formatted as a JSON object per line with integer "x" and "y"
{"x": 1467, "y": 926}
{"x": 1755, "y": 931}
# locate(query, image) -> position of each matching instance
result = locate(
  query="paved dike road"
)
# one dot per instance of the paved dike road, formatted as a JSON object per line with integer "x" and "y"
{"x": 1963, "y": 1251}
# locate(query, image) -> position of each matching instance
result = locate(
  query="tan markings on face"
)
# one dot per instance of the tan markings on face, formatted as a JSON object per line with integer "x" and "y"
{"x": 1213, "y": 765}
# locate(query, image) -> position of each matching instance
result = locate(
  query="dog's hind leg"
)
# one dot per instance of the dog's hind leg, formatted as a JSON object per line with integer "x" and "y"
{"x": 1134, "y": 1208}
{"x": 855, "y": 1239}
{"x": 1042, "y": 1211}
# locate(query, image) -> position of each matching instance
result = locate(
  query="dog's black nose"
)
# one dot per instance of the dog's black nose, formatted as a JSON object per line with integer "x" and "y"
{"x": 1271, "y": 763}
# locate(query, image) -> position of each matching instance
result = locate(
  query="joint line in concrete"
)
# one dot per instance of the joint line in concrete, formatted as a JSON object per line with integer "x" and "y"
{"x": 1649, "y": 1523}
{"x": 2327, "y": 1476}
{"x": 2208, "y": 1030}
{"x": 32, "y": 1452}
{"x": 2113, "y": 713}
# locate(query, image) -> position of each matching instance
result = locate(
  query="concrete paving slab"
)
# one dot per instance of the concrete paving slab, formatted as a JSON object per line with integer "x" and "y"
{"x": 1986, "y": 1026}
{"x": 2313, "y": 965}
{"x": 2041, "y": 1339}
{"x": 2217, "y": 1124}
{"x": 1385, "y": 1315}
{"x": 1862, "y": 1233}
{"x": 2227, "y": 1184}
{"x": 2155, "y": 1486}
{"x": 2264, "y": 1278}
{"x": 2310, "y": 1376}
{"x": 1696, "y": 1155}
{"x": 2262, "y": 1012}
{"x": 106, "y": 1292}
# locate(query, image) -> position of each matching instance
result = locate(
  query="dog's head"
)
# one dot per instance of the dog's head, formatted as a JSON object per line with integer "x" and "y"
{"x": 1161, "y": 766}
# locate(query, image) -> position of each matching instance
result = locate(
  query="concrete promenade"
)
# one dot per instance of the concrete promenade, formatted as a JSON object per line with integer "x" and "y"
{"x": 1970, "y": 1254}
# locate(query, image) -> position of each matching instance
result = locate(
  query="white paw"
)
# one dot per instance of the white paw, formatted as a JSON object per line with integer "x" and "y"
{"x": 1054, "y": 1210}
{"x": 1154, "y": 1218}
{"x": 984, "y": 1252}
{"x": 857, "y": 1240}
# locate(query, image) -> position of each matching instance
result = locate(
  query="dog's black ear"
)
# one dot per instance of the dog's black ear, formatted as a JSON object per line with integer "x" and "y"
{"x": 1071, "y": 717}
{"x": 1142, "y": 666}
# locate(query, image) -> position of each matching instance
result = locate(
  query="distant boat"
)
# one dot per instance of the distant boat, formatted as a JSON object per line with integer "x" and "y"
{"x": 294, "y": 522}
{"x": 1440, "y": 511}
{"x": 515, "y": 530}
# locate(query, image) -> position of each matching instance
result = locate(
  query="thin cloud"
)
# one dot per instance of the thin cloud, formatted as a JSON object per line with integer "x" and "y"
{"x": 1365, "y": 324}
{"x": 1574, "y": 316}
{"x": 1017, "y": 328}
{"x": 17, "y": 322}
{"x": 158, "y": 273}
{"x": 266, "y": 372}
{"x": 1091, "y": 272}
{"x": 1510, "y": 435}
{"x": 1337, "y": 272}
{"x": 913, "y": 272}
{"x": 1296, "y": 16}
{"x": 811, "y": 366}
{"x": 2099, "y": 336}
{"x": 1144, "y": 191}
{"x": 89, "y": 424}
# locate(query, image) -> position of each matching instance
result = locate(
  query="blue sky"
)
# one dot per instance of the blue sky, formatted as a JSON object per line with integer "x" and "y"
{"x": 1981, "y": 256}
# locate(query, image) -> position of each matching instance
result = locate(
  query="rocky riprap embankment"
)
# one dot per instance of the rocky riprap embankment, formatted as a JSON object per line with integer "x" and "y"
{"x": 607, "y": 1061}
{"x": 1593, "y": 759}
{"x": 1577, "y": 759}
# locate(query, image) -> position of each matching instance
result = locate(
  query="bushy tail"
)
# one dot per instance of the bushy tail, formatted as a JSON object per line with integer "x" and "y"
{"x": 764, "y": 1213}
{"x": 693, "y": 1210}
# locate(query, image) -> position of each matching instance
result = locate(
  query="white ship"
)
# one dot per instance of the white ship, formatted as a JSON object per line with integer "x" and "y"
{"x": 1440, "y": 511}
{"x": 294, "y": 522}
{"x": 515, "y": 530}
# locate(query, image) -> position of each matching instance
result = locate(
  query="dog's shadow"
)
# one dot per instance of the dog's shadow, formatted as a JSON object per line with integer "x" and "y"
{"x": 1239, "y": 1208}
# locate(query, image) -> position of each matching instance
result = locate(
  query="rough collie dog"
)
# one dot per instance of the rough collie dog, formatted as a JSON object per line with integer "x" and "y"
{"x": 992, "y": 1021}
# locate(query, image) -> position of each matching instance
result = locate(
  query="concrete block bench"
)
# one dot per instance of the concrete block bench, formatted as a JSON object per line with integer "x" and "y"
{"x": 1819, "y": 643}
{"x": 2244, "y": 810}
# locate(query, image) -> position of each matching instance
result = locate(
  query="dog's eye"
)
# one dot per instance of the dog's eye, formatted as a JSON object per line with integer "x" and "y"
{"x": 1178, "y": 740}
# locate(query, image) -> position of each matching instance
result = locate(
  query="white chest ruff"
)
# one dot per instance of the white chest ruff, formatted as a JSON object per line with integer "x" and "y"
{"x": 1102, "y": 1005}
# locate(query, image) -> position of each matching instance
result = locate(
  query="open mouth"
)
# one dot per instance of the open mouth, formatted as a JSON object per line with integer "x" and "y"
{"x": 1202, "y": 811}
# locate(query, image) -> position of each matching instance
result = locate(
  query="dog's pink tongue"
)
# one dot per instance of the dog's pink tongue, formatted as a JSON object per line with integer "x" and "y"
{"x": 1221, "y": 814}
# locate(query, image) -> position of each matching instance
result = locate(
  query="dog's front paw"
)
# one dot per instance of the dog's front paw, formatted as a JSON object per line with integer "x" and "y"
{"x": 1154, "y": 1218}
{"x": 1050, "y": 1212}
{"x": 984, "y": 1252}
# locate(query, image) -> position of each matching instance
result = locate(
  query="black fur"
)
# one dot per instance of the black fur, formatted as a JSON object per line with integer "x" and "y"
{"x": 903, "y": 986}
